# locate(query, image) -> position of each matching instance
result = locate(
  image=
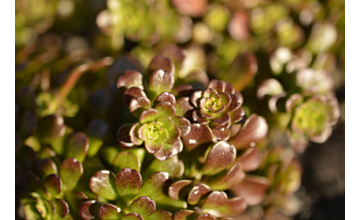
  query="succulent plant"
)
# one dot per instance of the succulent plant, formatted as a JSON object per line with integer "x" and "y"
{"x": 158, "y": 128}
{"x": 46, "y": 194}
{"x": 274, "y": 182}
{"x": 219, "y": 105}
{"x": 207, "y": 131}
{"x": 313, "y": 118}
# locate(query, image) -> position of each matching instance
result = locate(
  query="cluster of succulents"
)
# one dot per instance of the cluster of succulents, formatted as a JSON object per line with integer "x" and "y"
{"x": 182, "y": 148}
{"x": 212, "y": 129}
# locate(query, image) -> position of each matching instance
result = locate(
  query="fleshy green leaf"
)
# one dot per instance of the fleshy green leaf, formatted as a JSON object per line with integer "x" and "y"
{"x": 128, "y": 182}
{"x": 50, "y": 207}
{"x": 166, "y": 109}
{"x": 108, "y": 212}
{"x": 46, "y": 167}
{"x": 50, "y": 128}
{"x": 148, "y": 115}
{"x": 53, "y": 184}
{"x": 103, "y": 184}
{"x": 126, "y": 159}
{"x": 184, "y": 215}
{"x": 75, "y": 199}
{"x": 78, "y": 146}
{"x": 143, "y": 206}
{"x": 155, "y": 185}
{"x": 62, "y": 208}
{"x": 89, "y": 209}
{"x": 70, "y": 172}
{"x": 31, "y": 212}
{"x": 132, "y": 216}
{"x": 160, "y": 215}
{"x": 173, "y": 166}
{"x": 160, "y": 81}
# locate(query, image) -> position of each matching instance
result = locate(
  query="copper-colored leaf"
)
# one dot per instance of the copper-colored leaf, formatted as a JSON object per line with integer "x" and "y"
{"x": 123, "y": 136}
{"x": 199, "y": 134}
{"x": 161, "y": 63}
{"x": 225, "y": 181}
{"x": 175, "y": 188}
{"x": 221, "y": 135}
{"x": 221, "y": 122}
{"x": 131, "y": 78}
{"x": 197, "y": 192}
{"x": 220, "y": 157}
{"x": 133, "y": 92}
{"x": 165, "y": 97}
{"x": 250, "y": 159}
{"x": 254, "y": 130}
{"x": 138, "y": 105}
{"x": 252, "y": 189}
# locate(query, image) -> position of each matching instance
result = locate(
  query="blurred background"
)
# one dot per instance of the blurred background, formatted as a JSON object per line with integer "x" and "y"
{"x": 298, "y": 44}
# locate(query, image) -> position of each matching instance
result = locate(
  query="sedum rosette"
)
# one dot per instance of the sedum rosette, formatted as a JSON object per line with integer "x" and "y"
{"x": 219, "y": 105}
{"x": 158, "y": 128}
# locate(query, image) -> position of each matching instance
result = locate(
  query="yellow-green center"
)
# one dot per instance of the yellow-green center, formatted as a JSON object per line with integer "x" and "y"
{"x": 154, "y": 129}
